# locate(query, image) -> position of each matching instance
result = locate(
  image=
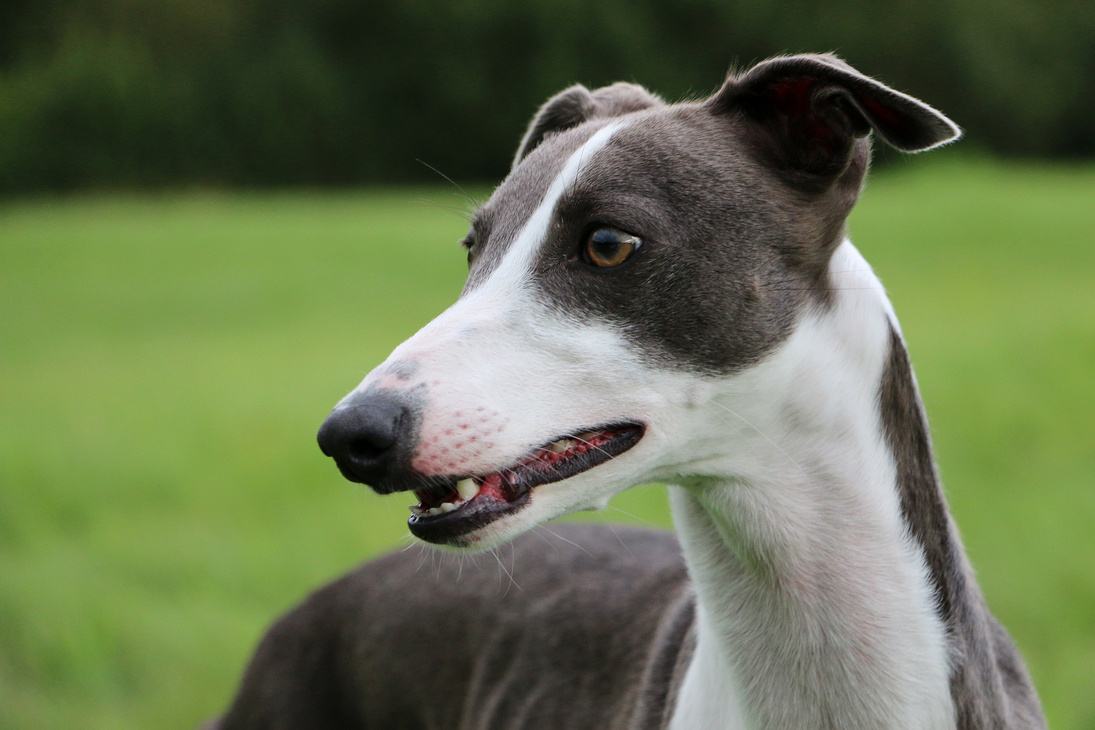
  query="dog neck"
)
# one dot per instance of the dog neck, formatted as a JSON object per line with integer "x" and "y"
{"x": 816, "y": 604}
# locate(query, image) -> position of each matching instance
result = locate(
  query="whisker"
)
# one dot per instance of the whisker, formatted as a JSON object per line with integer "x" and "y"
{"x": 463, "y": 193}
{"x": 502, "y": 565}
{"x": 625, "y": 513}
{"x": 463, "y": 213}
{"x": 557, "y": 536}
{"x": 539, "y": 532}
{"x": 408, "y": 538}
{"x": 616, "y": 534}
{"x": 423, "y": 557}
{"x": 576, "y": 438}
{"x": 762, "y": 433}
{"x": 436, "y": 556}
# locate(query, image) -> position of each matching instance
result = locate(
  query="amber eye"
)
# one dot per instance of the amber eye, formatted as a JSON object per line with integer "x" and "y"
{"x": 607, "y": 247}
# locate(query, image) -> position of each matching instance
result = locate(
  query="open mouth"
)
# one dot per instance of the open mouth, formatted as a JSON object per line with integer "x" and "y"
{"x": 458, "y": 506}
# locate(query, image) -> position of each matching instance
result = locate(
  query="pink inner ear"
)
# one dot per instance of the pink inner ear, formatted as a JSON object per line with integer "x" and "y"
{"x": 791, "y": 98}
{"x": 893, "y": 120}
{"x": 878, "y": 109}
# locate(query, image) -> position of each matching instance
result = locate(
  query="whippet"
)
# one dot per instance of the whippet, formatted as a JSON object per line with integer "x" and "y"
{"x": 659, "y": 293}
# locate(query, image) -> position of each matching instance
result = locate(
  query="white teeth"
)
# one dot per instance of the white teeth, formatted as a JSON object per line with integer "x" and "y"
{"x": 441, "y": 509}
{"x": 467, "y": 488}
{"x": 561, "y": 445}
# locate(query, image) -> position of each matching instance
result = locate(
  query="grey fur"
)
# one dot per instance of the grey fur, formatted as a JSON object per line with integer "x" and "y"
{"x": 989, "y": 682}
{"x": 740, "y": 201}
{"x": 841, "y": 97}
{"x": 730, "y": 208}
{"x": 576, "y": 105}
{"x": 534, "y": 657}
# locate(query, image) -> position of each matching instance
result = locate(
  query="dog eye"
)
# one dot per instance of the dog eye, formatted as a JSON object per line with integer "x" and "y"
{"x": 469, "y": 245}
{"x": 606, "y": 247}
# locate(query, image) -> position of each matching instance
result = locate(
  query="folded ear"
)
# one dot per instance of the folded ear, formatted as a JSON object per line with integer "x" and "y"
{"x": 577, "y": 104}
{"x": 807, "y": 112}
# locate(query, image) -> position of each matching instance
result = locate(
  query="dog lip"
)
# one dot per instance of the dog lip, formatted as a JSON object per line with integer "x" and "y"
{"x": 507, "y": 490}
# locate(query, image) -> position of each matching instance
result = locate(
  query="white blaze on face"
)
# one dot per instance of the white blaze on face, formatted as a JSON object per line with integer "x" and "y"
{"x": 513, "y": 272}
{"x": 501, "y": 373}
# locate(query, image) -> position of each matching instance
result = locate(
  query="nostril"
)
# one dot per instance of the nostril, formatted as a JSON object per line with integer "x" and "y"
{"x": 375, "y": 431}
{"x": 368, "y": 449}
{"x": 363, "y": 437}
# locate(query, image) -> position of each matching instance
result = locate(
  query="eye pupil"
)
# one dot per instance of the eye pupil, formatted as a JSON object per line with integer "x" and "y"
{"x": 469, "y": 245}
{"x": 607, "y": 247}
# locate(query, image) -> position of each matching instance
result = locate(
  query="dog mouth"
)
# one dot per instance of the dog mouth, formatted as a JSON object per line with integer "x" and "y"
{"x": 454, "y": 507}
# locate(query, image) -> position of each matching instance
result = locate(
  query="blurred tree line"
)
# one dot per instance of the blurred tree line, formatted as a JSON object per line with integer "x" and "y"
{"x": 114, "y": 93}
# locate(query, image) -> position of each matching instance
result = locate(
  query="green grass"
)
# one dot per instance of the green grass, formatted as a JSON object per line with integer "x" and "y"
{"x": 165, "y": 362}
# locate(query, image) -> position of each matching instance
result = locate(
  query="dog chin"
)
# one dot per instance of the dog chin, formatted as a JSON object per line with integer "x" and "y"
{"x": 497, "y": 533}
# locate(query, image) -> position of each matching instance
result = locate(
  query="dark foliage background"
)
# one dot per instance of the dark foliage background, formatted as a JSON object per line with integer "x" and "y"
{"x": 120, "y": 93}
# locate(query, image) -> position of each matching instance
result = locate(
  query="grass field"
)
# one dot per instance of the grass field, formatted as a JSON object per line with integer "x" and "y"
{"x": 166, "y": 361}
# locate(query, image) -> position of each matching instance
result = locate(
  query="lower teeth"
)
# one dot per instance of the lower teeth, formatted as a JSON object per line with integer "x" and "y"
{"x": 468, "y": 489}
{"x": 444, "y": 507}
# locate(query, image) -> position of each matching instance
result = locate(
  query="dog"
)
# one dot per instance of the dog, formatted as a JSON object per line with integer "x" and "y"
{"x": 659, "y": 293}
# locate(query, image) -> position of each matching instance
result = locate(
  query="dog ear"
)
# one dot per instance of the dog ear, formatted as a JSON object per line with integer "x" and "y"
{"x": 809, "y": 112}
{"x": 577, "y": 104}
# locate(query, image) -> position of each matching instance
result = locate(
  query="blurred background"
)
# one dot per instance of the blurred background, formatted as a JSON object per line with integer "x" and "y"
{"x": 216, "y": 216}
{"x": 111, "y": 93}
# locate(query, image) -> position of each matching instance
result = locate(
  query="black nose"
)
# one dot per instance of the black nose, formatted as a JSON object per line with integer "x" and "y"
{"x": 368, "y": 438}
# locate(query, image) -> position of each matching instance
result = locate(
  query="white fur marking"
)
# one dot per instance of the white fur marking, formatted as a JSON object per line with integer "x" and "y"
{"x": 496, "y": 351}
{"x": 818, "y": 607}
{"x": 512, "y": 273}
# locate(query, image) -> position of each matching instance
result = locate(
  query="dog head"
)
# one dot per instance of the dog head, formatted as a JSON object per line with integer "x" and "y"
{"x": 638, "y": 258}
